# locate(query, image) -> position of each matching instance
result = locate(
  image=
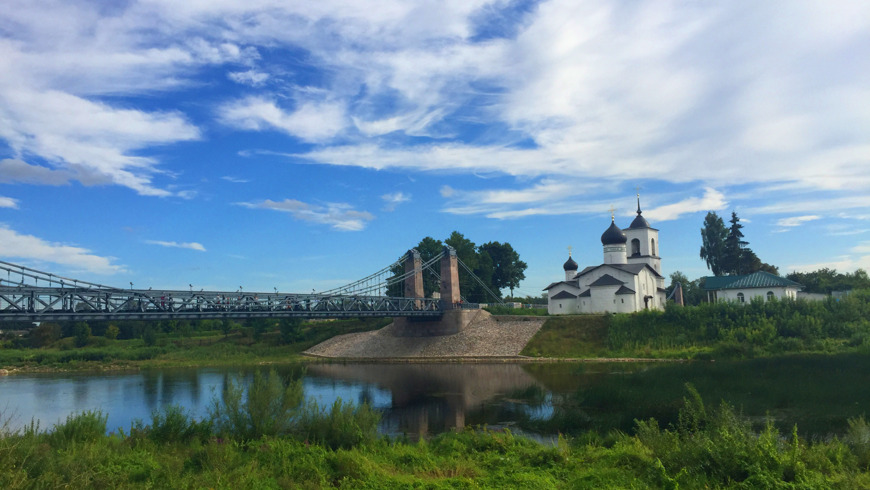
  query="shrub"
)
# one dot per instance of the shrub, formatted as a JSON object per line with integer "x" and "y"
{"x": 344, "y": 426}
{"x": 86, "y": 426}
{"x": 267, "y": 407}
{"x": 81, "y": 332}
{"x": 112, "y": 332}
{"x": 174, "y": 424}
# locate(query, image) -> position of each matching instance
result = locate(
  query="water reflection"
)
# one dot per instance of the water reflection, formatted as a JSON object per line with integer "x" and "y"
{"x": 818, "y": 394}
{"x": 432, "y": 398}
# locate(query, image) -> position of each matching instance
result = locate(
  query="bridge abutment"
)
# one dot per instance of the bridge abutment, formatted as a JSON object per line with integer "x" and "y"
{"x": 452, "y": 322}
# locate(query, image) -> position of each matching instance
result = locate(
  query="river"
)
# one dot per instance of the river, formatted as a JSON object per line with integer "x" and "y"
{"x": 819, "y": 394}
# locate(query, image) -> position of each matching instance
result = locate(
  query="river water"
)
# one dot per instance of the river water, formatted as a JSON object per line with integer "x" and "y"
{"x": 819, "y": 394}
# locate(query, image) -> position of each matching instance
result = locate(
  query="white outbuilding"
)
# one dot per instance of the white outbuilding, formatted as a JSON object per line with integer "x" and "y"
{"x": 742, "y": 289}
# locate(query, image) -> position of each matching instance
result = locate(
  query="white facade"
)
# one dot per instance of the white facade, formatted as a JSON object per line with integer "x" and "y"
{"x": 742, "y": 289}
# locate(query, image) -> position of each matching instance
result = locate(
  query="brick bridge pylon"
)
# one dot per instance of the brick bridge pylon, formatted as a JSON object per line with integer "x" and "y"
{"x": 454, "y": 318}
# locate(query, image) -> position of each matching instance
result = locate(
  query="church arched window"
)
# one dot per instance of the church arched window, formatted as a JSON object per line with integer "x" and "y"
{"x": 652, "y": 246}
{"x": 740, "y": 298}
{"x": 770, "y": 295}
{"x": 635, "y": 247}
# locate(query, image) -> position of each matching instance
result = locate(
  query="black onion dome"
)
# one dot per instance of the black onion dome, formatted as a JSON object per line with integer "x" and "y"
{"x": 570, "y": 265}
{"x": 613, "y": 236}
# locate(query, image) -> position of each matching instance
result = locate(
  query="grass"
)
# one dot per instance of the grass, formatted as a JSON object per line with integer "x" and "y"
{"x": 578, "y": 336}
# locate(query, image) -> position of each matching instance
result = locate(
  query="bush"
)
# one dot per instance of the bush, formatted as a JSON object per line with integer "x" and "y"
{"x": 267, "y": 407}
{"x": 81, "y": 332}
{"x": 174, "y": 424}
{"x": 344, "y": 426}
{"x": 86, "y": 426}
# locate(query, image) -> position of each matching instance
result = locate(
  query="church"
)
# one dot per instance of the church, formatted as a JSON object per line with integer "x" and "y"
{"x": 629, "y": 280}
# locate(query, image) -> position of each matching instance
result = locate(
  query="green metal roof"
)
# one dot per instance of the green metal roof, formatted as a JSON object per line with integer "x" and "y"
{"x": 758, "y": 279}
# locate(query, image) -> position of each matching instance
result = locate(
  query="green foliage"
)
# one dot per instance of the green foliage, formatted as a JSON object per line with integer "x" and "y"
{"x": 826, "y": 281}
{"x": 344, "y": 425}
{"x": 291, "y": 329}
{"x": 174, "y": 424}
{"x": 496, "y": 264}
{"x": 737, "y": 331}
{"x": 149, "y": 336}
{"x": 112, "y": 332}
{"x": 45, "y": 334}
{"x": 713, "y": 236}
{"x": 267, "y": 407}
{"x": 82, "y": 333}
{"x": 86, "y": 426}
{"x": 507, "y": 310}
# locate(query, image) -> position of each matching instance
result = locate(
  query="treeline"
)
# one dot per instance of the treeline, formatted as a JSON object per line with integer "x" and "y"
{"x": 734, "y": 330}
{"x": 81, "y": 334}
{"x": 827, "y": 281}
{"x": 497, "y": 265}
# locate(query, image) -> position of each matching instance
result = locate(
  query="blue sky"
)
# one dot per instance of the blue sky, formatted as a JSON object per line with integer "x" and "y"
{"x": 302, "y": 145}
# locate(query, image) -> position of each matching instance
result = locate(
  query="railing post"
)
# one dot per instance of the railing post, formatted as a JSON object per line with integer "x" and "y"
{"x": 450, "y": 297}
{"x": 414, "y": 283}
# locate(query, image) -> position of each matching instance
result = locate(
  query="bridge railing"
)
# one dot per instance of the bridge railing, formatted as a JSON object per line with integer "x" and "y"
{"x": 31, "y": 303}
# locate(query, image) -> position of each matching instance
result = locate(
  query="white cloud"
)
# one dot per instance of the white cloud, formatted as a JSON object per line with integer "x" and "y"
{"x": 187, "y": 245}
{"x": 394, "y": 199}
{"x": 339, "y": 216}
{"x": 87, "y": 138}
{"x": 794, "y": 221}
{"x": 712, "y": 200}
{"x": 250, "y": 77}
{"x": 311, "y": 121}
{"x": 29, "y": 247}
{"x": 8, "y": 202}
{"x": 235, "y": 180}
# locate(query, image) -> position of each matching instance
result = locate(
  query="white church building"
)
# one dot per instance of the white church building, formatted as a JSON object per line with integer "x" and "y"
{"x": 629, "y": 280}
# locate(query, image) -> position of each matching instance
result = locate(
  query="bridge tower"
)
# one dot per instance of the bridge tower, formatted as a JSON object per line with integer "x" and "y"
{"x": 450, "y": 297}
{"x": 414, "y": 283}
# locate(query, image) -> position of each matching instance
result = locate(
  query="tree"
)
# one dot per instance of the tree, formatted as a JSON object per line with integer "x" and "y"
{"x": 82, "y": 333}
{"x": 291, "y": 329}
{"x": 734, "y": 247}
{"x": 713, "y": 236}
{"x": 226, "y": 327}
{"x": 508, "y": 269}
{"x": 45, "y": 334}
{"x": 693, "y": 294}
{"x": 112, "y": 332}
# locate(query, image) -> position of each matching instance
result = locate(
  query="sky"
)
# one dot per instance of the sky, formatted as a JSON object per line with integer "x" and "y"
{"x": 298, "y": 146}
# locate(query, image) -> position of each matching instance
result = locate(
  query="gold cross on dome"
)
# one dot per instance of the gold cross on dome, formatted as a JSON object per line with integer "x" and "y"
{"x": 570, "y": 248}
{"x": 612, "y": 213}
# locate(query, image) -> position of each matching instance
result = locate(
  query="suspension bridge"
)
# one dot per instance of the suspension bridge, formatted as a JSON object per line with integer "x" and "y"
{"x": 30, "y": 295}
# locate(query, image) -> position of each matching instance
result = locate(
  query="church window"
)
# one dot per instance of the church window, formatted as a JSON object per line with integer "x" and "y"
{"x": 652, "y": 246}
{"x": 740, "y": 298}
{"x": 622, "y": 301}
{"x": 770, "y": 295}
{"x": 635, "y": 248}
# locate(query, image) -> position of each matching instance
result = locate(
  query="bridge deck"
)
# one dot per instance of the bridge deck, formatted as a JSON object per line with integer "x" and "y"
{"x": 31, "y": 303}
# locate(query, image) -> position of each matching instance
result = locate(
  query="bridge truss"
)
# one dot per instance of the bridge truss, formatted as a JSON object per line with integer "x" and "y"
{"x": 31, "y": 295}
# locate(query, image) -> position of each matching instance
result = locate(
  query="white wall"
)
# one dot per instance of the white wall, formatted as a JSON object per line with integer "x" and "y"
{"x": 749, "y": 293}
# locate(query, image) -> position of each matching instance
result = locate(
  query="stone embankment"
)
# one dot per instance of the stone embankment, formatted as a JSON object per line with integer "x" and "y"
{"x": 486, "y": 336}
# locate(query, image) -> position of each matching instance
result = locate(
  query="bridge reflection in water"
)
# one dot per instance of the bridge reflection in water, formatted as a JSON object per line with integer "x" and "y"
{"x": 432, "y": 398}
